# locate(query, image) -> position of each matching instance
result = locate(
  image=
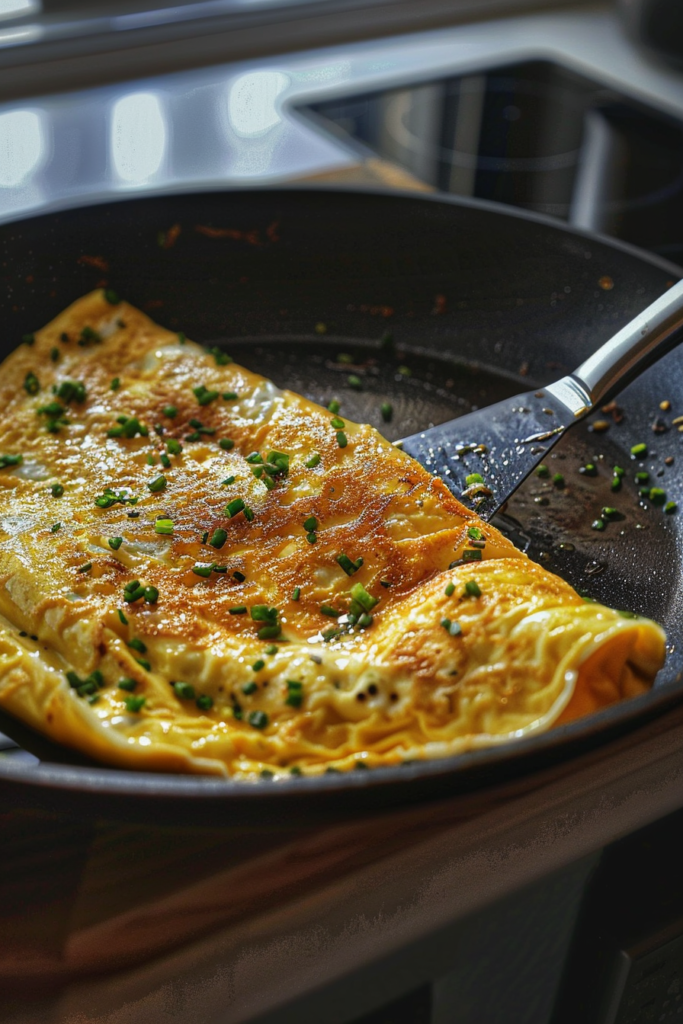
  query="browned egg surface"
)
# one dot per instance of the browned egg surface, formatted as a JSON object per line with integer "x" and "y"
{"x": 200, "y": 572}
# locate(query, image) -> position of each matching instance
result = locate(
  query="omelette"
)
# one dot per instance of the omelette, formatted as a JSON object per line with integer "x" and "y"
{"x": 200, "y": 572}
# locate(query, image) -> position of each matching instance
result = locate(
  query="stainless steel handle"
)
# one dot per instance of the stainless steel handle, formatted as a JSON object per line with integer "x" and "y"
{"x": 648, "y": 337}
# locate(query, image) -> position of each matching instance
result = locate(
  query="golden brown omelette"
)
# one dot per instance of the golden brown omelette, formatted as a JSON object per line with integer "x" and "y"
{"x": 200, "y": 572}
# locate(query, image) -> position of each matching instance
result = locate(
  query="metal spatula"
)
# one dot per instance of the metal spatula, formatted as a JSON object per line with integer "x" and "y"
{"x": 483, "y": 457}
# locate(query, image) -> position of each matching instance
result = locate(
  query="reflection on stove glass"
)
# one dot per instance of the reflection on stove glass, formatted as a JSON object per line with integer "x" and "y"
{"x": 535, "y": 136}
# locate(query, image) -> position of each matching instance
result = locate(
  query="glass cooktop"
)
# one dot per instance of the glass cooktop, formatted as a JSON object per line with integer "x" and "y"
{"x": 533, "y": 135}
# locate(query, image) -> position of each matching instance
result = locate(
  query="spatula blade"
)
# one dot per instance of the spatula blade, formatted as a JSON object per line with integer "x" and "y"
{"x": 503, "y": 443}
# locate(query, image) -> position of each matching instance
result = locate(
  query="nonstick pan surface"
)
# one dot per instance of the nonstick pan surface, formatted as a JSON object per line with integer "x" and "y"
{"x": 481, "y": 303}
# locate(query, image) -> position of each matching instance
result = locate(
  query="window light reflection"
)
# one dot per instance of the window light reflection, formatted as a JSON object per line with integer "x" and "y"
{"x": 252, "y": 102}
{"x": 138, "y": 137}
{"x": 22, "y": 146}
{"x": 19, "y": 8}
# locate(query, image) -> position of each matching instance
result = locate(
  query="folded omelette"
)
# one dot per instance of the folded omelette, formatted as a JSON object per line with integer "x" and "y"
{"x": 200, "y": 572}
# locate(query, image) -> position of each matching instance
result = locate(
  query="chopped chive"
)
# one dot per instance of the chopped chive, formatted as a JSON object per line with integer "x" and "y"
{"x": 239, "y": 576}
{"x": 115, "y": 543}
{"x": 238, "y": 609}
{"x": 609, "y": 513}
{"x": 474, "y": 533}
{"x": 453, "y": 628}
{"x": 271, "y": 649}
{"x": 615, "y": 485}
{"x": 295, "y": 694}
{"x": 312, "y": 537}
{"x": 164, "y": 527}
{"x": 202, "y": 570}
{"x": 450, "y": 589}
{"x": 473, "y": 555}
{"x": 259, "y": 719}
{"x": 203, "y": 395}
{"x": 670, "y": 507}
{"x": 151, "y": 461}
{"x": 127, "y": 684}
{"x": 226, "y": 443}
{"x": 473, "y": 478}
{"x": 354, "y": 382}
{"x": 618, "y": 471}
{"x": 55, "y": 527}
{"x": 31, "y": 383}
{"x": 296, "y": 593}
{"x": 182, "y": 337}
{"x": 85, "y": 568}
{"x": 234, "y": 507}
{"x": 269, "y": 632}
{"x": 115, "y": 384}
{"x": 657, "y": 495}
{"x": 204, "y": 702}
{"x": 365, "y": 620}
{"x": 310, "y": 524}
{"x": 218, "y": 538}
{"x": 349, "y": 566}
{"x": 590, "y": 469}
{"x": 229, "y": 480}
{"x": 558, "y": 480}
{"x": 28, "y": 339}
{"x": 249, "y": 688}
{"x": 10, "y": 460}
{"x": 642, "y": 478}
{"x": 173, "y": 447}
{"x": 295, "y": 770}
{"x": 542, "y": 471}
{"x": 334, "y": 406}
{"x": 222, "y": 358}
{"x": 248, "y": 514}
{"x": 184, "y": 691}
{"x": 128, "y": 426}
{"x": 135, "y": 704}
{"x": 313, "y": 461}
{"x": 170, "y": 411}
{"x": 598, "y": 524}
{"x": 472, "y": 589}
{"x": 258, "y": 665}
{"x": 386, "y": 411}
{"x": 326, "y": 609}
{"x": 151, "y": 595}
{"x": 55, "y": 355}
{"x": 57, "y": 490}
{"x": 262, "y": 613}
{"x": 337, "y": 423}
{"x": 122, "y": 617}
{"x": 342, "y": 439}
{"x": 639, "y": 451}
{"x": 158, "y": 484}
{"x": 361, "y": 596}
{"x": 230, "y": 396}
{"x": 112, "y": 297}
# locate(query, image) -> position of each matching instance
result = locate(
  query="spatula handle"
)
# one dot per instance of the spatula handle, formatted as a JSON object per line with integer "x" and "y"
{"x": 648, "y": 337}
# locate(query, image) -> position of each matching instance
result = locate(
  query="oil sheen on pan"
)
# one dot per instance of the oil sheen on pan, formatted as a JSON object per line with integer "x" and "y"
{"x": 200, "y": 572}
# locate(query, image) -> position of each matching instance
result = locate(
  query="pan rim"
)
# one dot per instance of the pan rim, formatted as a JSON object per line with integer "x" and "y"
{"x": 139, "y": 786}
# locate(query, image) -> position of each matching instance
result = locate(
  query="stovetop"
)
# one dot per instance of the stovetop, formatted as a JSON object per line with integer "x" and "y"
{"x": 534, "y": 135}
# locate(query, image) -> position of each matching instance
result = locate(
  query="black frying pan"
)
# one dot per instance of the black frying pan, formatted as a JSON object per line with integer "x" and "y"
{"x": 482, "y": 303}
